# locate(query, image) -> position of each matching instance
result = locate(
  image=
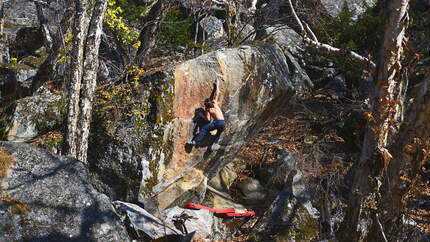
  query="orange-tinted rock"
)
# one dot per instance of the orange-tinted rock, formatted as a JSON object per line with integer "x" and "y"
{"x": 255, "y": 84}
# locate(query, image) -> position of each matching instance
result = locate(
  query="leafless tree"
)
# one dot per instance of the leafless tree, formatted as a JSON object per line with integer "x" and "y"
{"x": 148, "y": 34}
{"x": 385, "y": 119}
{"x": 84, "y": 74}
{"x": 77, "y": 58}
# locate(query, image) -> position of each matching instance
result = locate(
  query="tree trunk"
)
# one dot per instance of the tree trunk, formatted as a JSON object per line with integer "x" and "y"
{"x": 3, "y": 47}
{"x": 148, "y": 35}
{"x": 48, "y": 66}
{"x": 77, "y": 56}
{"x": 411, "y": 150}
{"x": 90, "y": 76}
{"x": 383, "y": 123}
{"x": 43, "y": 25}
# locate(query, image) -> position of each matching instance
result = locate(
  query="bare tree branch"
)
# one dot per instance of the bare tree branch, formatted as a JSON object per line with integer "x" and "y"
{"x": 328, "y": 48}
{"x": 149, "y": 32}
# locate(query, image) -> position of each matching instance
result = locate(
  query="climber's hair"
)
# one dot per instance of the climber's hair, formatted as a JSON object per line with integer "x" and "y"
{"x": 208, "y": 103}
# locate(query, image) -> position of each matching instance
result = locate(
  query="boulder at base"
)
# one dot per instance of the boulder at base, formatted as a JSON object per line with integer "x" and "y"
{"x": 173, "y": 222}
{"x": 49, "y": 198}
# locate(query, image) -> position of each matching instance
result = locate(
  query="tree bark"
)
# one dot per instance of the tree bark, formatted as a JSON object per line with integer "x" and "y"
{"x": 90, "y": 76}
{"x": 410, "y": 150}
{"x": 383, "y": 123}
{"x": 77, "y": 56}
{"x": 314, "y": 43}
{"x": 43, "y": 25}
{"x": 49, "y": 65}
{"x": 4, "y": 56}
{"x": 148, "y": 35}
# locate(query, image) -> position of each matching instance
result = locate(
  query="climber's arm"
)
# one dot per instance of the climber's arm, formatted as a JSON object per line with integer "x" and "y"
{"x": 215, "y": 98}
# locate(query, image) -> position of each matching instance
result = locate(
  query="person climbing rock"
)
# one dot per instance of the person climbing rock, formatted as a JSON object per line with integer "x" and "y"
{"x": 212, "y": 110}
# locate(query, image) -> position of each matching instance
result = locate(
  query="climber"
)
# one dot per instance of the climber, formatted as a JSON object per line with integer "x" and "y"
{"x": 211, "y": 110}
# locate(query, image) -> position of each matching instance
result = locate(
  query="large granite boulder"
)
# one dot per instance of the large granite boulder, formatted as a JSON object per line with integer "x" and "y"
{"x": 286, "y": 37}
{"x": 22, "y": 13}
{"x": 140, "y": 128}
{"x": 32, "y": 116}
{"x": 174, "y": 223}
{"x": 50, "y": 198}
{"x": 293, "y": 48}
{"x": 213, "y": 27}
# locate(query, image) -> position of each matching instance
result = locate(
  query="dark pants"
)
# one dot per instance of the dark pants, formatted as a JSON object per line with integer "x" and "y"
{"x": 217, "y": 124}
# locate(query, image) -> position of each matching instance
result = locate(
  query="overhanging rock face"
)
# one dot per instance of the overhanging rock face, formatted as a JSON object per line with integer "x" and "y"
{"x": 255, "y": 84}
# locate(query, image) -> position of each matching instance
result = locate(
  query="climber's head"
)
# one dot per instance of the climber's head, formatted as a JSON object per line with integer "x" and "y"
{"x": 208, "y": 103}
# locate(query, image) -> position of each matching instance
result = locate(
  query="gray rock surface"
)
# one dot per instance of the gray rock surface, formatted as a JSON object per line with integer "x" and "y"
{"x": 292, "y": 46}
{"x": 31, "y": 116}
{"x": 246, "y": 31}
{"x": 141, "y": 220}
{"x": 286, "y": 37}
{"x": 200, "y": 222}
{"x": 52, "y": 200}
{"x": 224, "y": 179}
{"x": 22, "y": 13}
{"x": 213, "y": 27}
{"x": 252, "y": 190}
{"x": 334, "y": 7}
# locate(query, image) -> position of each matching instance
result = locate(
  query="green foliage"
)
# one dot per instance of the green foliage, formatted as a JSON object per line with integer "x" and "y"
{"x": 176, "y": 30}
{"x": 68, "y": 48}
{"x": 114, "y": 18}
{"x": 133, "y": 10}
{"x": 361, "y": 34}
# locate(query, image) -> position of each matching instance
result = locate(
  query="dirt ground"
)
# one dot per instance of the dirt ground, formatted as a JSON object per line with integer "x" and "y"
{"x": 316, "y": 130}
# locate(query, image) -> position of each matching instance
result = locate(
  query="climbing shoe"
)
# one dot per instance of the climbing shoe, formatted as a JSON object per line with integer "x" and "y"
{"x": 191, "y": 143}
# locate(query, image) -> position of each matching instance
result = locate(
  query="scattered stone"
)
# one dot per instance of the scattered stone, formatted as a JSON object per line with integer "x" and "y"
{"x": 213, "y": 27}
{"x": 252, "y": 190}
{"x": 337, "y": 86}
{"x": 224, "y": 179}
{"x": 173, "y": 221}
{"x": 141, "y": 220}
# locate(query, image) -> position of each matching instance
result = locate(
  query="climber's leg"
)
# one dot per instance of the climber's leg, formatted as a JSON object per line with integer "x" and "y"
{"x": 219, "y": 126}
{"x": 203, "y": 131}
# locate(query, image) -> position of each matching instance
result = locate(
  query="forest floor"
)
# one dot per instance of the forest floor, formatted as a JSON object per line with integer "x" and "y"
{"x": 324, "y": 133}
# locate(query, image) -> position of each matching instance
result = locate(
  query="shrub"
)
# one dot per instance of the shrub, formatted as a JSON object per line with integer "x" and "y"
{"x": 176, "y": 30}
